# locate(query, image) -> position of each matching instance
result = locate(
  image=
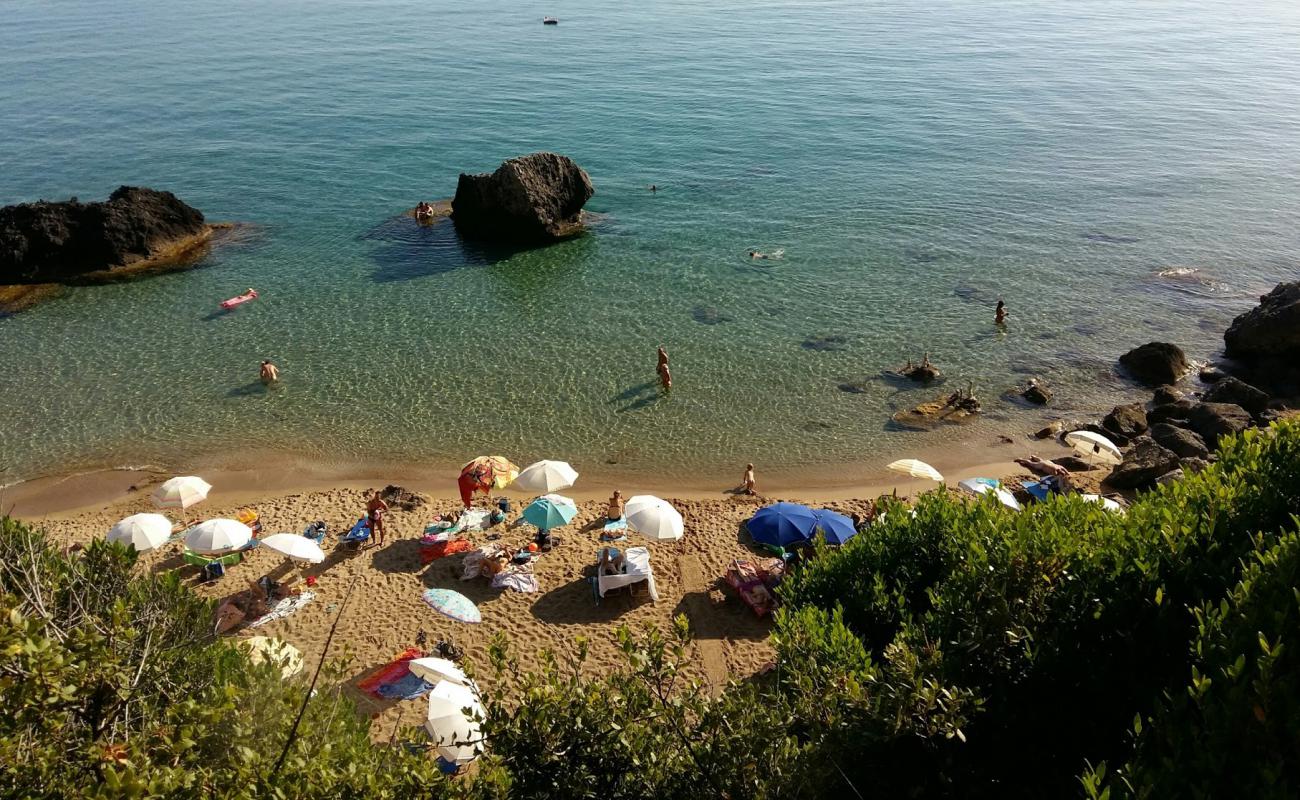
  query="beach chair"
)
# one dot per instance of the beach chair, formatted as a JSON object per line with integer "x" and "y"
{"x": 357, "y": 536}
{"x": 315, "y": 531}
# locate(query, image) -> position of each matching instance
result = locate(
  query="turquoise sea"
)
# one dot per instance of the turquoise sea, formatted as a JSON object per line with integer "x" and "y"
{"x": 914, "y": 160}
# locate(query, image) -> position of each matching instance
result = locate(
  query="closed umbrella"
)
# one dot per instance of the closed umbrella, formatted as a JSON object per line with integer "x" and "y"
{"x": 453, "y": 604}
{"x": 454, "y": 722}
{"x": 142, "y": 531}
{"x": 181, "y": 492}
{"x": 782, "y": 524}
{"x": 1094, "y": 447}
{"x": 916, "y": 469}
{"x": 546, "y": 476}
{"x": 982, "y": 486}
{"x": 653, "y": 518}
{"x": 295, "y": 546}
{"x": 550, "y": 512}
{"x": 437, "y": 669}
{"x": 261, "y": 649}
{"x": 218, "y": 536}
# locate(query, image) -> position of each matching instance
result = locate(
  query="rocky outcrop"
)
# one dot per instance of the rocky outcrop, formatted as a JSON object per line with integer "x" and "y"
{"x": 1265, "y": 341}
{"x": 1166, "y": 395}
{"x": 1127, "y": 421}
{"x": 1232, "y": 390}
{"x": 1037, "y": 393}
{"x": 1216, "y": 420}
{"x": 1155, "y": 363}
{"x": 1180, "y": 441}
{"x": 532, "y": 199}
{"x": 401, "y": 498}
{"x": 1142, "y": 465}
{"x": 1176, "y": 413}
{"x": 59, "y": 242}
{"x": 958, "y": 407}
{"x": 924, "y": 372}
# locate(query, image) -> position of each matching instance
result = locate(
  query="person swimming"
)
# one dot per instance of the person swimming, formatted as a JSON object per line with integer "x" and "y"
{"x": 757, "y": 254}
{"x": 269, "y": 372}
{"x": 654, "y": 188}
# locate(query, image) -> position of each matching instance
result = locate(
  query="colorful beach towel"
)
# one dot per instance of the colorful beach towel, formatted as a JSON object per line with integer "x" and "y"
{"x": 283, "y": 609}
{"x": 395, "y": 681}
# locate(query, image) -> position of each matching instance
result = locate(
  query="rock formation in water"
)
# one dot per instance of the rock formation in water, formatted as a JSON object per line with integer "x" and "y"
{"x": 1265, "y": 341}
{"x": 1155, "y": 363}
{"x": 46, "y": 242}
{"x": 532, "y": 199}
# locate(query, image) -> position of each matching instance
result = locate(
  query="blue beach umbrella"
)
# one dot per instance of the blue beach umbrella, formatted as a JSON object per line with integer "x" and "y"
{"x": 782, "y": 524}
{"x": 547, "y": 513}
{"x": 836, "y": 527}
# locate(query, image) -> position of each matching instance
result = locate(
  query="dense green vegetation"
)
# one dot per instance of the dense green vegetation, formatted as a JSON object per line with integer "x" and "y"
{"x": 964, "y": 651}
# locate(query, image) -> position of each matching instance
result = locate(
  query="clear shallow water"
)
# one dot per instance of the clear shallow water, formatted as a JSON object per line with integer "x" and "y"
{"x": 915, "y": 161}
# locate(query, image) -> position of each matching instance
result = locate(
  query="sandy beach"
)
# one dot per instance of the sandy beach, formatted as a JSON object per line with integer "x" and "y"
{"x": 386, "y": 612}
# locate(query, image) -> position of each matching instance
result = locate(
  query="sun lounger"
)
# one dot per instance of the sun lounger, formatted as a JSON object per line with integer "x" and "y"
{"x": 636, "y": 569}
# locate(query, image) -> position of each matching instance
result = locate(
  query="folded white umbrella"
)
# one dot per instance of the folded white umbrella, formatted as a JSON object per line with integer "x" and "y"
{"x": 1106, "y": 502}
{"x": 181, "y": 492}
{"x": 434, "y": 670}
{"x": 295, "y": 546}
{"x": 1094, "y": 447}
{"x": 457, "y": 735}
{"x": 142, "y": 531}
{"x": 546, "y": 476}
{"x": 916, "y": 469}
{"x": 982, "y": 486}
{"x": 276, "y": 651}
{"x": 218, "y": 536}
{"x": 653, "y": 518}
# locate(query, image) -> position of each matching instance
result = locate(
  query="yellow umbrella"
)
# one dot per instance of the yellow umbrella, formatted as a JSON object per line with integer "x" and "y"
{"x": 916, "y": 469}
{"x": 485, "y": 473}
{"x": 262, "y": 649}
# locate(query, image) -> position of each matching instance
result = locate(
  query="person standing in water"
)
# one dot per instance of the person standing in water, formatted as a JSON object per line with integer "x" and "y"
{"x": 663, "y": 356}
{"x": 1000, "y": 315}
{"x": 665, "y": 377}
{"x": 747, "y": 482}
{"x": 269, "y": 373}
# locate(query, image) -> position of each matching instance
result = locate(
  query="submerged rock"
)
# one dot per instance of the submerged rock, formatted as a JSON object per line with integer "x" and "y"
{"x": 47, "y": 242}
{"x": 925, "y": 372}
{"x": 956, "y": 408}
{"x": 1155, "y": 363}
{"x": 532, "y": 199}
{"x": 1037, "y": 393}
{"x": 825, "y": 343}
{"x": 710, "y": 315}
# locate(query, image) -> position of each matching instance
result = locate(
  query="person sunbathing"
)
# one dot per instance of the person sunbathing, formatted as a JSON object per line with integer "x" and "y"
{"x": 614, "y": 512}
{"x": 1041, "y": 466}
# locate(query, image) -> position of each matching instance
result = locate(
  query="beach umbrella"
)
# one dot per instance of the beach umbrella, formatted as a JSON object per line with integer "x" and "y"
{"x": 1105, "y": 502}
{"x": 217, "y": 536}
{"x": 453, "y": 604}
{"x": 453, "y": 722}
{"x": 295, "y": 546}
{"x": 437, "y": 669}
{"x": 653, "y": 518}
{"x": 834, "y": 526}
{"x": 181, "y": 492}
{"x": 982, "y": 486}
{"x": 261, "y": 649}
{"x": 916, "y": 469}
{"x": 782, "y": 524}
{"x": 546, "y": 513}
{"x": 1094, "y": 447}
{"x": 484, "y": 474}
{"x": 546, "y": 476}
{"x": 142, "y": 531}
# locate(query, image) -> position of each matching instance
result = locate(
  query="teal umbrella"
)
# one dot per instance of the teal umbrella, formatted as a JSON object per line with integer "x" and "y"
{"x": 551, "y": 511}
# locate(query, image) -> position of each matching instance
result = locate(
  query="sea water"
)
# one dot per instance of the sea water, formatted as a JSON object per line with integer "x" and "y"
{"x": 1117, "y": 170}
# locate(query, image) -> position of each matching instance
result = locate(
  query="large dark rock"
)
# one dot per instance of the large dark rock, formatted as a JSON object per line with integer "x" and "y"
{"x": 1142, "y": 465}
{"x": 1231, "y": 390}
{"x": 47, "y": 242}
{"x": 1215, "y": 420}
{"x": 1165, "y": 395}
{"x": 1176, "y": 413}
{"x": 1037, "y": 393}
{"x": 1155, "y": 363}
{"x": 1265, "y": 341}
{"x": 1128, "y": 421}
{"x": 532, "y": 199}
{"x": 1184, "y": 443}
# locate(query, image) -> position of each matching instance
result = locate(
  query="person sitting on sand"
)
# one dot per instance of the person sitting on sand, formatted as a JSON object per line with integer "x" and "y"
{"x": 747, "y": 482}
{"x": 269, "y": 373}
{"x": 376, "y": 508}
{"x": 614, "y": 512}
{"x": 1000, "y": 315}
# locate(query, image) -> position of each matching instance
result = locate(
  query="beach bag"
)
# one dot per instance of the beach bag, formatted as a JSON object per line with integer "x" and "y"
{"x": 213, "y": 570}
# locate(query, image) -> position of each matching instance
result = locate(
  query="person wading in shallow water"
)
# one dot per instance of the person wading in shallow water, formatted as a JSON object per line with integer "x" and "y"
{"x": 269, "y": 373}
{"x": 665, "y": 377}
{"x": 1000, "y": 315}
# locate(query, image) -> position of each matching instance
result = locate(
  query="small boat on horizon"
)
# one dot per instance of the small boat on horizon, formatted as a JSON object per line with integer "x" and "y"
{"x": 550, "y": 21}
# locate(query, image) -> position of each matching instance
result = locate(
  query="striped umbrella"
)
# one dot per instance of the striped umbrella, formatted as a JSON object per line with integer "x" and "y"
{"x": 453, "y": 604}
{"x": 484, "y": 474}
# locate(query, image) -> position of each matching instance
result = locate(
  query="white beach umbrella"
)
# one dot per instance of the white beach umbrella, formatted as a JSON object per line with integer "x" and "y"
{"x": 916, "y": 469}
{"x": 653, "y": 518}
{"x": 983, "y": 486}
{"x": 181, "y": 492}
{"x": 1106, "y": 502}
{"x": 1094, "y": 447}
{"x": 142, "y": 531}
{"x": 295, "y": 546}
{"x": 262, "y": 649}
{"x": 434, "y": 670}
{"x": 546, "y": 476}
{"x": 457, "y": 735}
{"x": 218, "y": 536}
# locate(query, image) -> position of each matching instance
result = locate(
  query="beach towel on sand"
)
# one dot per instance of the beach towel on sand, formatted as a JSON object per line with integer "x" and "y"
{"x": 395, "y": 681}
{"x": 283, "y": 609}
